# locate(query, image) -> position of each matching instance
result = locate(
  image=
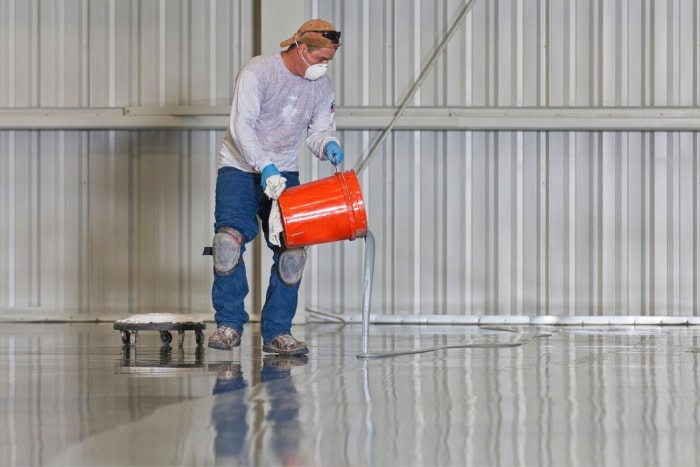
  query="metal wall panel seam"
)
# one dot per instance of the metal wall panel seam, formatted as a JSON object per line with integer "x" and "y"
{"x": 622, "y": 237}
{"x": 543, "y": 225}
{"x": 60, "y": 238}
{"x": 415, "y": 221}
{"x": 11, "y": 54}
{"x": 571, "y": 156}
{"x": 608, "y": 223}
{"x": 633, "y": 145}
{"x": 112, "y": 52}
{"x": 667, "y": 247}
{"x": 162, "y": 49}
{"x": 675, "y": 221}
{"x": 491, "y": 223}
{"x": 185, "y": 52}
{"x": 468, "y": 61}
{"x": 570, "y": 37}
{"x": 34, "y": 68}
{"x": 61, "y": 42}
{"x": 696, "y": 224}
{"x": 212, "y": 52}
{"x": 657, "y": 240}
{"x": 519, "y": 201}
{"x": 12, "y": 220}
{"x": 520, "y": 53}
{"x": 113, "y": 160}
{"x": 34, "y": 241}
{"x": 659, "y": 53}
{"x": 85, "y": 83}
{"x": 647, "y": 216}
{"x": 468, "y": 295}
{"x": 696, "y": 54}
{"x": 185, "y": 215}
{"x": 543, "y": 54}
{"x": 689, "y": 228}
{"x": 609, "y": 62}
{"x": 628, "y": 73}
{"x": 598, "y": 55}
{"x": 597, "y": 211}
{"x": 84, "y": 276}
{"x": 674, "y": 53}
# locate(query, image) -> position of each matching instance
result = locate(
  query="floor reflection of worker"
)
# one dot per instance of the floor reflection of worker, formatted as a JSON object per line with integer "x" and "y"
{"x": 284, "y": 405}
{"x": 281, "y": 422}
{"x": 229, "y": 413}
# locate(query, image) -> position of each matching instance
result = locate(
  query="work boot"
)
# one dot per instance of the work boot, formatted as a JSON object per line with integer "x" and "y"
{"x": 285, "y": 344}
{"x": 224, "y": 338}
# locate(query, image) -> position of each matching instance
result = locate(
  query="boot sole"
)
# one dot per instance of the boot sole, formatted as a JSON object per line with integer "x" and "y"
{"x": 221, "y": 346}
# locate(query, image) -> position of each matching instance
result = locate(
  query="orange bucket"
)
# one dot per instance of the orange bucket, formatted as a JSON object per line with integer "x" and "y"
{"x": 323, "y": 211}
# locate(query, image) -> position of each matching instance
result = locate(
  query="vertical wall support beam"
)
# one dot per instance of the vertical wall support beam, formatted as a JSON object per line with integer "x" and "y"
{"x": 278, "y": 19}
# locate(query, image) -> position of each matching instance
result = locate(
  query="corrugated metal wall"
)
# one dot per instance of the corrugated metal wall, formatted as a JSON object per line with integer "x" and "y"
{"x": 104, "y": 222}
{"x": 468, "y": 222}
{"x": 528, "y": 222}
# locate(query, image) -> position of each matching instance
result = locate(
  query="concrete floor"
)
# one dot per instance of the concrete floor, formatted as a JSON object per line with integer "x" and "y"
{"x": 70, "y": 394}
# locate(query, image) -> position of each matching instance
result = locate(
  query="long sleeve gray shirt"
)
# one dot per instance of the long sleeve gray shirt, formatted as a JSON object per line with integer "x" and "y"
{"x": 270, "y": 110}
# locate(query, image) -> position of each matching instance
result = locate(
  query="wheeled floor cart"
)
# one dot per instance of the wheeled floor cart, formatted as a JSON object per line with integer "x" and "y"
{"x": 164, "y": 323}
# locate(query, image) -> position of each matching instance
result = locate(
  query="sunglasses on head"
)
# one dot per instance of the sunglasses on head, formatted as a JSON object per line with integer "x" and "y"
{"x": 333, "y": 36}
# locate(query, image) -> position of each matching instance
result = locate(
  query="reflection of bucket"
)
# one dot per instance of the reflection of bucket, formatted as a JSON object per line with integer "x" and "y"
{"x": 323, "y": 211}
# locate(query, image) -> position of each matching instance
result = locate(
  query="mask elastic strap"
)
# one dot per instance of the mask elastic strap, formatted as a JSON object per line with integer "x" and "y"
{"x": 302, "y": 54}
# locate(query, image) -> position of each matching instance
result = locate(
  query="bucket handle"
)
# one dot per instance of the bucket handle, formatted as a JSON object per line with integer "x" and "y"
{"x": 349, "y": 205}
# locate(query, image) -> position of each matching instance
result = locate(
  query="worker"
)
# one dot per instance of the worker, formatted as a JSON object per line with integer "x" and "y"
{"x": 277, "y": 99}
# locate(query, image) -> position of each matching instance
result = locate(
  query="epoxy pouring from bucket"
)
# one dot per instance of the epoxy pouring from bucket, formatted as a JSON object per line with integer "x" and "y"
{"x": 327, "y": 210}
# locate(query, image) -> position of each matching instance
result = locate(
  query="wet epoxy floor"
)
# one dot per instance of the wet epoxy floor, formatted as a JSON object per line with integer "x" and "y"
{"x": 71, "y": 394}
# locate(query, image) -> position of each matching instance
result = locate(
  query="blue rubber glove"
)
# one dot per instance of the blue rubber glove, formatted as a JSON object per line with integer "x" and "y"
{"x": 268, "y": 171}
{"x": 334, "y": 153}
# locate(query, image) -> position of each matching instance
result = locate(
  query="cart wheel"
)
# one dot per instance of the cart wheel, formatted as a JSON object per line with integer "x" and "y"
{"x": 166, "y": 337}
{"x": 125, "y": 337}
{"x": 199, "y": 337}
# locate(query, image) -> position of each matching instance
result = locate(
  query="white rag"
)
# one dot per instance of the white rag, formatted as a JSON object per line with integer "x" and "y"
{"x": 275, "y": 223}
{"x": 274, "y": 186}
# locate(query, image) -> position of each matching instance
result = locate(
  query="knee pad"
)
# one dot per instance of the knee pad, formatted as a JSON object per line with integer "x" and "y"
{"x": 290, "y": 265}
{"x": 226, "y": 250}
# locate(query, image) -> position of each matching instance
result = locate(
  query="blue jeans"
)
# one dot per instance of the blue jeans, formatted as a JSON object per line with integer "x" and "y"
{"x": 239, "y": 201}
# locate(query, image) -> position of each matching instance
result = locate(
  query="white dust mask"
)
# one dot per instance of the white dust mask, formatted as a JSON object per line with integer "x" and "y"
{"x": 314, "y": 72}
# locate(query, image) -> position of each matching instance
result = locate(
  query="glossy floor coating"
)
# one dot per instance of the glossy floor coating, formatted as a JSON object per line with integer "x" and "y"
{"x": 70, "y": 394}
